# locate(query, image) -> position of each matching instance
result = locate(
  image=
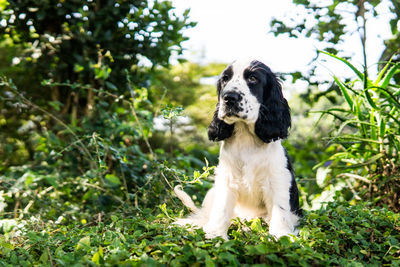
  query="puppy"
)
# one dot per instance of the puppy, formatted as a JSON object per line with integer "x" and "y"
{"x": 254, "y": 177}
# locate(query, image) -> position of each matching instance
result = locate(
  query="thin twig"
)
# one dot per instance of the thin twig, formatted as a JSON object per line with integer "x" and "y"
{"x": 50, "y": 257}
{"x": 352, "y": 190}
{"x": 96, "y": 145}
{"x": 165, "y": 178}
{"x": 132, "y": 105}
{"x": 125, "y": 184}
{"x": 355, "y": 176}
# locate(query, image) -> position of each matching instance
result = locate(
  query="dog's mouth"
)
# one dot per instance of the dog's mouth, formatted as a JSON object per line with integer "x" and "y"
{"x": 232, "y": 112}
{"x": 231, "y": 115}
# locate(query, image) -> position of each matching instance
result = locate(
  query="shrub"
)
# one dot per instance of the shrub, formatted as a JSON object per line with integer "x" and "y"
{"x": 366, "y": 140}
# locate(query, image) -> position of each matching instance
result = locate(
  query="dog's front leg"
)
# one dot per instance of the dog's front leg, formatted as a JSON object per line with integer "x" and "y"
{"x": 221, "y": 210}
{"x": 282, "y": 221}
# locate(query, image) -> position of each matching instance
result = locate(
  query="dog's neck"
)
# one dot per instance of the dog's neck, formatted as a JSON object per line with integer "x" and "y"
{"x": 244, "y": 136}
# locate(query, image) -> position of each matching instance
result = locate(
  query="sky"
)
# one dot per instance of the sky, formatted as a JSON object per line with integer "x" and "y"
{"x": 234, "y": 29}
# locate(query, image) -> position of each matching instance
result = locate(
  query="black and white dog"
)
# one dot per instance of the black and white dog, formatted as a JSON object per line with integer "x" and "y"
{"x": 254, "y": 177}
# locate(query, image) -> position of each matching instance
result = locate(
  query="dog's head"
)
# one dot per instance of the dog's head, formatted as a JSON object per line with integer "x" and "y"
{"x": 250, "y": 92}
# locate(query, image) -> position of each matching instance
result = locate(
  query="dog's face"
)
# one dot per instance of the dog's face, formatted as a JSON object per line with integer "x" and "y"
{"x": 248, "y": 91}
{"x": 240, "y": 91}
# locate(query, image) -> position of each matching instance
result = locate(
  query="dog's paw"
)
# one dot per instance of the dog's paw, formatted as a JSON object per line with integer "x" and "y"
{"x": 213, "y": 232}
{"x": 186, "y": 222}
{"x": 278, "y": 232}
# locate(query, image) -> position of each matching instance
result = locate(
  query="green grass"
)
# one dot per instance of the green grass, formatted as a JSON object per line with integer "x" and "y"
{"x": 339, "y": 235}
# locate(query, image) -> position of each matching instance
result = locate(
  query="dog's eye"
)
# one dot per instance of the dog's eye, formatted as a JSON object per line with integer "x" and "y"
{"x": 225, "y": 78}
{"x": 252, "y": 79}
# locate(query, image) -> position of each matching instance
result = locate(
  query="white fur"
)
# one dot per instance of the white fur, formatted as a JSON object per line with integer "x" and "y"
{"x": 251, "y": 180}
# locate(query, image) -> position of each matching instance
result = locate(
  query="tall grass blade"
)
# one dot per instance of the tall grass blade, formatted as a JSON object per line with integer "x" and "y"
{"x": 356, "y": 122}
{"x": 382, "y": 128}
{"x": 367, "y": 162}
{"x": 391, "y": 97}
{"x": 382, "y": 72}
{"x": 351, "y": 138}
{"x": 370, "y": 100}
{"x": 344, "y": 92}
{"x": 351, "y": 66}
{"x": 389, "y": 75}
{"x": 373, "y": 129}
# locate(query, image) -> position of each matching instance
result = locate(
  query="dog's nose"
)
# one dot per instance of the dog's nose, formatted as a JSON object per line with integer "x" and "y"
{"x": 231, "y": 97}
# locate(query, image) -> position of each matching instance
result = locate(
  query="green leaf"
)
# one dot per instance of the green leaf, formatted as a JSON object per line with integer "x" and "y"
{"x": 345, "y": 92}
{"x": 382, "y": 128}
{"x": 369, "y": 161}
{"x": 163, "y": 208}
{"x": 6, "y": 245}
{"x": 112, "y": 180}
{"x": 382, "y": 72}
{"x": 98, "y": 257}
{"x": 391, "y": 97}
{"x": 111, "y": 86}
{"x": 369, "y": 99}
{"x": 373, "y": 129}
{"x": 356, "y": 71}
{"x": 44, "y": 258}
{"x": 322, "y": 172}
{"x": 389, "y": 75}
{"x": 344, "y": 124}
{"x": 78, "y": 68}
{"x": 83, "y": 243}
{"x": 256, "y": 225}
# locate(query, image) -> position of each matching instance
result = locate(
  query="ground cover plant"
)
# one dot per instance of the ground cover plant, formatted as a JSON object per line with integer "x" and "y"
{"x": 340, "y": 234}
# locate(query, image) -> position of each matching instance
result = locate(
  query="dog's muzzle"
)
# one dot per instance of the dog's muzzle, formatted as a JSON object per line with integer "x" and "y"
{"x": 231, "y": 100}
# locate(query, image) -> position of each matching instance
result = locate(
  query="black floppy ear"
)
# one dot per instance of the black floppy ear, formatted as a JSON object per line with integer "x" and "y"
{"x": 273, "y": 121}
{"x": 218, "y": 129}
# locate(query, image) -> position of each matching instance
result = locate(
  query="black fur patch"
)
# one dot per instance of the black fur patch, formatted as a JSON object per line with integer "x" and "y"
{"x": 218, "y": 129}
{"x": 293, "y": 191}
{"x": 274, "y": 120}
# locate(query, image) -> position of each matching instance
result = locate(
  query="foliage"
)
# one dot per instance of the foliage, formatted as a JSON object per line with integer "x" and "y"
{"x": 307, "y": 145}
{"x": 76, "y": 41}
{"x": 183, "y": 85}
{"x": 66, "y": 55}
{"x": 367, "y": 137}
{"x": 341, "y": 235}
{"x": 76, "y": 112}
{"x": 331, "y": 24}
{"x": 91, "y": 168}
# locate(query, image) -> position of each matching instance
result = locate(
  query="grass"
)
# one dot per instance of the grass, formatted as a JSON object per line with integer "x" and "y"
{"x": 340, "y": 235}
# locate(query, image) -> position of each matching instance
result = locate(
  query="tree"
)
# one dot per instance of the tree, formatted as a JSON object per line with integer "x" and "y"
{"x": 63, "y": 55}
{"x": 328, "y": 24}
{"x": 90, "y": 42}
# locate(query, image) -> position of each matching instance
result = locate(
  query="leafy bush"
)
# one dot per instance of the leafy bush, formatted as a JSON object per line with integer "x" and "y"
{"x": 339, "y": 235}
{"x": 104, "y": 163}
{"x": 367, "y": 137}
{"x": 76, "y": 111}
{"x": 66, "y": 56}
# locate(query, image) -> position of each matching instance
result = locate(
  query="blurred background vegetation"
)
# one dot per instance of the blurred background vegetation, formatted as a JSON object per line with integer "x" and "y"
{"x": 93, "y": 117}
